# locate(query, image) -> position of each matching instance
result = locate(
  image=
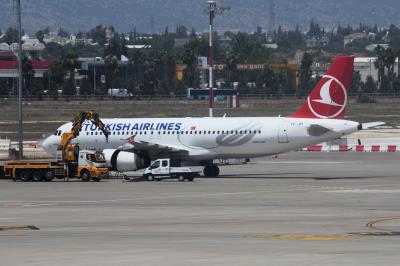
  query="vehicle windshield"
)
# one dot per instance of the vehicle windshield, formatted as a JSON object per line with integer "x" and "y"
{"x": 155, "y": 165}
{"x": 100, "y": 157}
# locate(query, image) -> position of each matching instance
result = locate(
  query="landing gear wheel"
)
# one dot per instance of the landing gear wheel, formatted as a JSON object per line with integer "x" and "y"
{"x": 48, "y": 175}
{"x": 150, "y": 178}
{"x": 211, "y": 171}
{"x": 25, "y": 175}
{"x": 37, "y": 176}
{"x": 95, "y": 179}
{"x": 85, "y": 176}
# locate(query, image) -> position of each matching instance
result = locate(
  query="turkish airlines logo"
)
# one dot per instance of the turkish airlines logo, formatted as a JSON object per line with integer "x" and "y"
{"x": 330, "y": 100}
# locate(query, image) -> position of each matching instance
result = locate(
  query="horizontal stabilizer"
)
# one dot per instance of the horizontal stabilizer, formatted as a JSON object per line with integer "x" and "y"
{"x": 370, "y": 125}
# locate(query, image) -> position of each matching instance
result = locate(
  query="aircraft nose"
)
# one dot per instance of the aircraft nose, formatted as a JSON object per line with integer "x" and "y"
{"x": 50, "y": 144}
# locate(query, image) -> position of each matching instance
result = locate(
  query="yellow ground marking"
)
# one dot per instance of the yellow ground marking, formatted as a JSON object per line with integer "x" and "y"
{"x": 308, "y": 237}
{"x": 19, "y": 228}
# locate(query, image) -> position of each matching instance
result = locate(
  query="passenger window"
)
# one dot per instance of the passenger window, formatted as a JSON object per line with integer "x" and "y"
{"x": 164, "y": 163}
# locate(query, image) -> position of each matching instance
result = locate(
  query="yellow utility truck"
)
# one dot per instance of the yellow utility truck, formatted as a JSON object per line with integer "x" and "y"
{"x": 70, "y": 162}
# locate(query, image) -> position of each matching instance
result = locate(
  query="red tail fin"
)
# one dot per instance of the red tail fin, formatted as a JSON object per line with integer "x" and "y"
{"x": 328, "y": 99}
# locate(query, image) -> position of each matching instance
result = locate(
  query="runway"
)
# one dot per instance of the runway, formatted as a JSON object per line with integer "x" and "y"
{"x": 299, "y": 209}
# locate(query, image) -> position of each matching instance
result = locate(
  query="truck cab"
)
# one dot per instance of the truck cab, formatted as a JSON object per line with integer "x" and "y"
{"x": 169, "y": 169}
{"x": 91, "y": 164}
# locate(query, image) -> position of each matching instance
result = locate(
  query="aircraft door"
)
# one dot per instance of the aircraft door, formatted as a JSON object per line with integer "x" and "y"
{"x": 283, "y": 132}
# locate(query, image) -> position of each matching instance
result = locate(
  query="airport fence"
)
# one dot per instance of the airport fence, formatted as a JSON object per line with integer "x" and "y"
{"x": 366, "y": 97}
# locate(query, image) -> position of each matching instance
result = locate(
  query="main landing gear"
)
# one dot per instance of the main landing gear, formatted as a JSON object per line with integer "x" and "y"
{"x": 211, "y": 170}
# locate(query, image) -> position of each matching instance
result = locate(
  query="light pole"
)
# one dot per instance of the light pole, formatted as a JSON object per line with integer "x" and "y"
{"x": 20, "y": 122}
{"x": 94, "y": 77}
{"x": 213, "y": 10}
{"x": 212, "y": 7}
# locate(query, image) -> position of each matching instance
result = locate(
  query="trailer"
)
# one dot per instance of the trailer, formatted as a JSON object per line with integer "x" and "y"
{"x": 166, "y": 169}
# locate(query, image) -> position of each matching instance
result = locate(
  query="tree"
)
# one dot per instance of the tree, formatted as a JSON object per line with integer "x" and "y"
{"x": 370, "y": 85}
{"x": 231, "y": 65}
{"x": 356, "y": 82}
{"x": 190, "y": 60}
{"x": 112, "y": 69}
{"x": 380, "y": 62}
{"x": 55, "y": 78}
{"x": 98, "y": 34}
{"x": 63, "y": 33}
{"x": 10, "y": 36}
{"x": 86, "y": 87}
{"x": 305, "y": 74}
{"x": 28, "y": 74}
{"x": 4, "y": 88}
{"x": 40, "y": 35}
{"x": 151, "y": 82}
{"x": 181, "y": 31}
{"x": 70, "y": 63}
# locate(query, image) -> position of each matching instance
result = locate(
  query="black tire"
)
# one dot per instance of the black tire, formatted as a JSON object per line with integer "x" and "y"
{"x": 95, "y": 179}
{"x": 37, "y": 176}
{"x": 182, "y": 178}
{"x": 1, "y": 172}
{"x": 211, "y": 171}
{"x": 48, "y": 175}
{"x": 25, "y": 175}
{"x": 150, "y": 178}
{"x": 190, "y": 178}
{"x": 85, "y": 176}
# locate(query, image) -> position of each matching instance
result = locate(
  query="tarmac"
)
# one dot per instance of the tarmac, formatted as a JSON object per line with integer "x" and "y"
{"x": 298, "y": 209}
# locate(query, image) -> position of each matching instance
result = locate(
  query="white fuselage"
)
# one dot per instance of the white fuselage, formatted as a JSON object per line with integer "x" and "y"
{"x": 210, "y": 138}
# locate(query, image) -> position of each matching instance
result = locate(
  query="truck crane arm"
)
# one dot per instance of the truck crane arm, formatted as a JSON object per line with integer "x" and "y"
{"x": 77, "y": 123}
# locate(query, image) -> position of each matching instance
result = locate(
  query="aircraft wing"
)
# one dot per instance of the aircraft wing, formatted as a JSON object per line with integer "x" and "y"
{"x": 156, "y": 148}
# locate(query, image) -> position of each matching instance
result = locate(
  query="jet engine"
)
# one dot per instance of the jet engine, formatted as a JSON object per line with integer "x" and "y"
{"x": 123, "y": 161}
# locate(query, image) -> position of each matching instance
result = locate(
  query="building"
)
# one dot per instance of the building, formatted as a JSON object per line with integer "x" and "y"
{"x": 354, "y": 36}
{"x": 9, "y": 69}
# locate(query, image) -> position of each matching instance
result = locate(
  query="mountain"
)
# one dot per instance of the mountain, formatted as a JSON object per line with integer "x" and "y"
{"x": 75, "y": 15}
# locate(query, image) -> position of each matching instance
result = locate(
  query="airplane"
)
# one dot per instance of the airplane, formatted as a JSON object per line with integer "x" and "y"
{"x": 135, "y": 142}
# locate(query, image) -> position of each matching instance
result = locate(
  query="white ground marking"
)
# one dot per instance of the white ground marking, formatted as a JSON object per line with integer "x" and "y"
{"x": 361, "y": 191}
